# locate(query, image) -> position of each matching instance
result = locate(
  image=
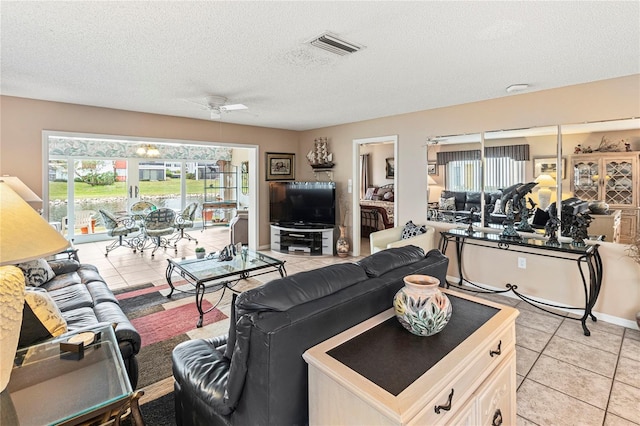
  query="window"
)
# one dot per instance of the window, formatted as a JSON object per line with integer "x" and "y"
{"x": 466, "y": 175}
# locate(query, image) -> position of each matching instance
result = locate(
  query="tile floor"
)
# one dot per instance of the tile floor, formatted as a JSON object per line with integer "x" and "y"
{"x": 564, "y": 377}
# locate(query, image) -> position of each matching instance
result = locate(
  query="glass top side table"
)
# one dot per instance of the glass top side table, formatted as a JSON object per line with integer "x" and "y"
{"x": 51, "y": 386}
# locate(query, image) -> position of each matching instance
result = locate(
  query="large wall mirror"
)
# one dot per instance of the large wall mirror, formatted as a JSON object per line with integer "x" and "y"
{"x": 595, "y": 162}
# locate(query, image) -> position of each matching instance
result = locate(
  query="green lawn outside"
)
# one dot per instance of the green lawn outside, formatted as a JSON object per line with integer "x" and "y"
{"x": 58, "y": 190}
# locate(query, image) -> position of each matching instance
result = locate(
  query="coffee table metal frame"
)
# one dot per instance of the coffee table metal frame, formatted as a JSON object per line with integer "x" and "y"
{"x": 210, "y": 274}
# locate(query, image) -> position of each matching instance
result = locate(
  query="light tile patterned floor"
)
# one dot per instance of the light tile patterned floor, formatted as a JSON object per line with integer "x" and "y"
{"x": 564, "y": 377}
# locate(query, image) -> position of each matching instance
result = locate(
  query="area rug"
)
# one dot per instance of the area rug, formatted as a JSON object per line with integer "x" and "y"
{"x": 160, "y": 329}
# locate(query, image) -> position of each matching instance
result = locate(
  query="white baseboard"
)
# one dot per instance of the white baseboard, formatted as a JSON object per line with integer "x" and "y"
{"x": 601, "y": 317}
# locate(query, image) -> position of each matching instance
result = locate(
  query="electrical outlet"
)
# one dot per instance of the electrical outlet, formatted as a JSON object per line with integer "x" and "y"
{"x": 522, "y": 262}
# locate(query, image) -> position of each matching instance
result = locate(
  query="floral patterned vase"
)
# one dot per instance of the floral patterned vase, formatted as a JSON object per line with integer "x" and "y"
{"x": 421, "y": 307}
{"x": 342, "y": 245}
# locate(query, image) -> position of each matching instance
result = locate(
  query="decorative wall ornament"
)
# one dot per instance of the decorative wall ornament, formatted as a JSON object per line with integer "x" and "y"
{"x": 320, "y": 157}
{"x": 280, "y": 166}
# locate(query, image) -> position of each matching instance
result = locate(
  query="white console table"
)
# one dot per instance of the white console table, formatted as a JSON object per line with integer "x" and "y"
{"x": 377, "y": 373}
{"x": 314, "y": 241}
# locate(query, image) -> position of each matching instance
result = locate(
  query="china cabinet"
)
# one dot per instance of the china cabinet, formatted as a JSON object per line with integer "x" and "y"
{"x": 220, "y": 194}
{"x": 612, "y": 178}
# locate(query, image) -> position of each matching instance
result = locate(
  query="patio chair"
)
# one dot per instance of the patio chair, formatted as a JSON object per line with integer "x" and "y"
{"x": 185, "y": 220}
{"x": 156, "y": 226}
{"x": 119, "y": 227}
{"x": 83, "y": 221}
{"x": 140, "y": 209}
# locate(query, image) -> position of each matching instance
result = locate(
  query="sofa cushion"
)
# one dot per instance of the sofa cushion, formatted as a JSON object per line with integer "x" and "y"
{"x": 284, "y": 293}
{"x": 386, "y": 260}
{"x": 474, "y": 199}
{"x": 41, "y": 318}
{"x": 207, "y": 370}
{"x": 72, "y": 297}
{"x": 36, "y": 272}
{"x": 63, "y": 266}
{"x": 411, "y": 230}
{"x": 231, "y": 339}
{"x": 100, "y": 292}
{"x": 80, "y": 318}
{"x": 62, "y": 281}
{"x": 89, "y": 273}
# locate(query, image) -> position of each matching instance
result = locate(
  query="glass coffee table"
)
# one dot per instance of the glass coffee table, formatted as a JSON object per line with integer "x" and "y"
{"x": 210, "y": 274}
{"x": 51, "y": 384}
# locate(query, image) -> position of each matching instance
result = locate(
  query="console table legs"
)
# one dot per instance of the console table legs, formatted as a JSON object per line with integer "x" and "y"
{"x": 591, "y": 283}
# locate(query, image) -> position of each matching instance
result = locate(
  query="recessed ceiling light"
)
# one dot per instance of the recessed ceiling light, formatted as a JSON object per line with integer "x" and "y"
{"x": 517, "y": 87}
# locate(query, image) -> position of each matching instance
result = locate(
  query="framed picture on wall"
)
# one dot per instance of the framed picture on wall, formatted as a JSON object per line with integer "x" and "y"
{"x": 280, "y": 166}
{"x": 548, "y": 166}
{"x": 390, "y": 167}
{"x": 432, "y": 168}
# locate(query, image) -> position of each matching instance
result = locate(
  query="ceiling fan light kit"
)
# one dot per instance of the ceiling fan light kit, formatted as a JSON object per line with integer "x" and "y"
{"x": 218, "y": 104}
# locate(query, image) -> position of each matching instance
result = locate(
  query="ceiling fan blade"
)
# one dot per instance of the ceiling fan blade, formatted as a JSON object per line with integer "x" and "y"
{"x": 233, "y": 107}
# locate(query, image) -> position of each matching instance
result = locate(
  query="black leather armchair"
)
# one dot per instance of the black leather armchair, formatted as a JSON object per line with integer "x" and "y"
{"x": 256, "y": 374}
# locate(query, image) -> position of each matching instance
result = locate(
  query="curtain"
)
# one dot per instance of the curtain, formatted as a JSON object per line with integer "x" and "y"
{"x": 445, "y": 157}
{"x": 364, "y": 174}
{"x": 515, "y": 152}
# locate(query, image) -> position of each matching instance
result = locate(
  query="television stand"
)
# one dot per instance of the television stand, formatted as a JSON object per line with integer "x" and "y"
{"x": 313, "y": 240}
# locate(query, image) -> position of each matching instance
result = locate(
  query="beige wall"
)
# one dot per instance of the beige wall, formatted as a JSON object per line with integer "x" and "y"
{"x": 603, "y": 100}
{"x": 378, "y": 153}
{"x": 22, "y": 123}
{"x": 23, "y": 120}
{"x": 553, "y": 279}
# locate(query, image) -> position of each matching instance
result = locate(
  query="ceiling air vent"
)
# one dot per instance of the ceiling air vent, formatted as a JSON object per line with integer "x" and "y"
{"x": 333, "y": 44}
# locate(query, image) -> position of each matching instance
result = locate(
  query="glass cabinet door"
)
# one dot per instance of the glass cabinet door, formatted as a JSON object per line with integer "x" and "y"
{"x": 586, "y": 179}
{"x": 619, "y": 182}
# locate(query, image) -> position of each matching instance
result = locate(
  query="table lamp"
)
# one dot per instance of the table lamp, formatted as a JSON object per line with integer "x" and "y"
{"x": 430, "y": 182}
{"x": 24, "y": 236}
{"x": 545, "y": 183}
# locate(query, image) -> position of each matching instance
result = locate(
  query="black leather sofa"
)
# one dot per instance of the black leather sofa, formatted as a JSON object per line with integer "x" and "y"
{"x": 84, "y": 300}
{"x": 465, "y": 201}
{"x": 256, "y": 374}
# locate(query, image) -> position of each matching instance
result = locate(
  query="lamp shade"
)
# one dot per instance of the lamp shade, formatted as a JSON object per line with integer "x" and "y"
{"x": 431, "y": 181}
{"x": 21, "y": 189}
{"x": 24, "y": 234}
{"x": 546, "y": 181}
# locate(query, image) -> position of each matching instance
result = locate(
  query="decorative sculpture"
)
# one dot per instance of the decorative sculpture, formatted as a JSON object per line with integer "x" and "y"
{"x": 578, "y": 229}
{"x": 514, "y": 202}
{"x": 551, "y": 229}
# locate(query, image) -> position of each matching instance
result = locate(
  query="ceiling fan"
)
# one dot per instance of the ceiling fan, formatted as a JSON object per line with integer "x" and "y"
{"x": 218, "y": 105}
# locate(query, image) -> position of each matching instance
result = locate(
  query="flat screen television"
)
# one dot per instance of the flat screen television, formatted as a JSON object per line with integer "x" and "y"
{"x": 302, "y": 203}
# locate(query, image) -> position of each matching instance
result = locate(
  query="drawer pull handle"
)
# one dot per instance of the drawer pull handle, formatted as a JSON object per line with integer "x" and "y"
{"x": 497, "y": 418}
{"x": 498, "y": 352}
{"x": 445, "y": 407}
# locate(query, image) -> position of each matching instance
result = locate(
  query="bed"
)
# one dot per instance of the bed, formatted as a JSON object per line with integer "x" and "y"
{"x": 377, "y": 210}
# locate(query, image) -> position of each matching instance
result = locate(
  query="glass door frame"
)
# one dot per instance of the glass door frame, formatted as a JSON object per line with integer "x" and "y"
{"x": 253, "y": 158}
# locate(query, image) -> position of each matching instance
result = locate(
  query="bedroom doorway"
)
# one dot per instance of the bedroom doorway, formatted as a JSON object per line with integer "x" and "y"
{"x": 383, "y": 152}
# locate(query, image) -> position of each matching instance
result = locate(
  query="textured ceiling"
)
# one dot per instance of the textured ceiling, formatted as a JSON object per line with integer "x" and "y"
{"x": 161, "y": 57}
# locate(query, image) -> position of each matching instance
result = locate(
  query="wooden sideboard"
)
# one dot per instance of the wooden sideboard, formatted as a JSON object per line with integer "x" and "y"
{"x": 377, "y": 373}
{"x": 607, "y": 225}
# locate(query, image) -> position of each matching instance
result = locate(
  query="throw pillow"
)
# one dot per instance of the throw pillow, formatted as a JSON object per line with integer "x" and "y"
{"x": 41, "y": 318}
{"x": 36, "y": 272}
{"x": 447, "y": 203}
{"x": 369, "y": 194}
{"x": 411, "y": 230}
{"x": 388, "y": 196}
